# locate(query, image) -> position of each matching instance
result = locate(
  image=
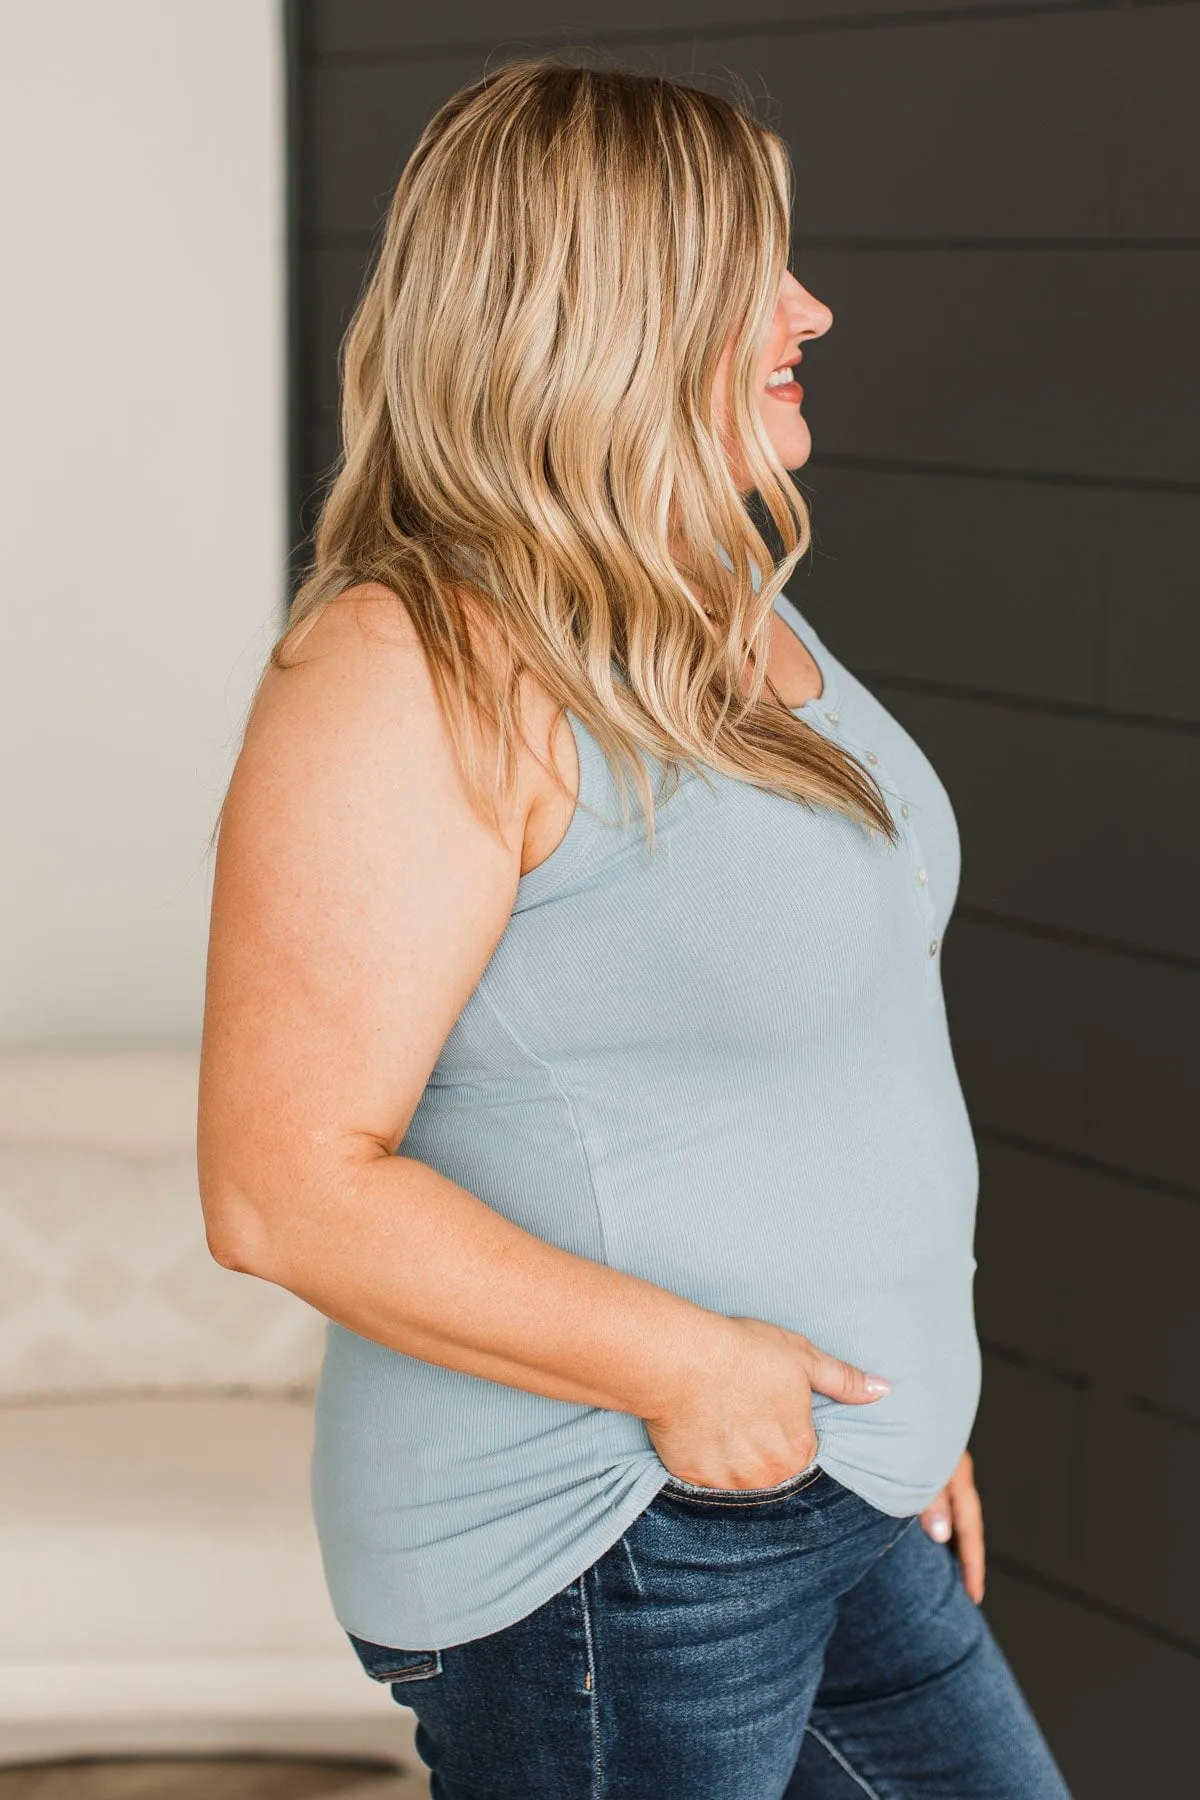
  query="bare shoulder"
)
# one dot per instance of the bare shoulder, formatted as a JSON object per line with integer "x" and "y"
{"x": 359, "y": 645}
{"x": 358, "y": 670}
{"x": 355, "y": 677}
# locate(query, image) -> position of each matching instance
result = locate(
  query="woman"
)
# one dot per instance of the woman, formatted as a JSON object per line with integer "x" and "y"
{"x": 574, "y": 1035}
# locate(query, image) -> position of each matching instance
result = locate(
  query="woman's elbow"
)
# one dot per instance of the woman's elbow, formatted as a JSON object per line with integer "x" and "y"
{"x": 238, "y": 1235}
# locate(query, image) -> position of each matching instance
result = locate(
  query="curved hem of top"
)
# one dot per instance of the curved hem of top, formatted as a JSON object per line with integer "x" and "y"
{"x": 851, "y": 1479}
{"x": 554, "y": 1577}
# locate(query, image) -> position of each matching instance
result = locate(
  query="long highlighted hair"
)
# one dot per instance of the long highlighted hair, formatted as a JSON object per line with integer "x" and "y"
{"x": 531, "y": 457}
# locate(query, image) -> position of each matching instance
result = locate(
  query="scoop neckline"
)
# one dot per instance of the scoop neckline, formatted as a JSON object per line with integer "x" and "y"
{"x": 564, "y": 859}
{"x": 828, "y": 699}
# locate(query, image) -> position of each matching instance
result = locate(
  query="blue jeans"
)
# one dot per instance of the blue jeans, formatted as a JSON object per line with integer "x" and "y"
{"x": 783, "y": 1643}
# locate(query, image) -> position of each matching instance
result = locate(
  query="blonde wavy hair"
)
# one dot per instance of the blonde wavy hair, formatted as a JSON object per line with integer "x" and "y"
{"x": 529, "y": 435}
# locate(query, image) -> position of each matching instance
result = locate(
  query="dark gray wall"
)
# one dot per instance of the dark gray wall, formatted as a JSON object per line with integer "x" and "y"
{"x": 1001, "y": 203}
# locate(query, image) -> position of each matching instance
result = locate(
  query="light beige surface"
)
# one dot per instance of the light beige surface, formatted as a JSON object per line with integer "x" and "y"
{"x": 384, "y": 1736}
{"x": 161, "y": 1578}
{"x": 107, "y": 1284}
{"x": 215, "y": 1779}
{"x": 163, "y": 1590}
{"x": 176, "y": 1527}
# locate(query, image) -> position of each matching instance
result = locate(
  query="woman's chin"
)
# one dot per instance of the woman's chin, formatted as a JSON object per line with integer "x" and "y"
{"x": 794, "y": 447}
{"x": 797, "y": 458}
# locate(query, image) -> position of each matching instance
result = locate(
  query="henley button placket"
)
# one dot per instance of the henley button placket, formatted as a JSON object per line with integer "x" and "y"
{"x": 920, "y": 875}
{"x": 925, "y": 905}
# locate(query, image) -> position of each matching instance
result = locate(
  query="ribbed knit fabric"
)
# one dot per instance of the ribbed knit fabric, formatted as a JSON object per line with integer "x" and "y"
{"x": 724, "y": 1068}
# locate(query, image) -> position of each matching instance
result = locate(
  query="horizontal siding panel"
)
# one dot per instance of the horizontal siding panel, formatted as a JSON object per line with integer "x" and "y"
{"x": 1045, "y": 591}
{"x": 1153, "y": 143}
{"x": 1058, "y": 361}
{"x": 353, "y": 27}
{"x": 1024, "y": 1445}
{"x": 1077, "y": 823}
{"x": 1141, "y": 1550}
{"x": 1077, "y": 1049}
{"x": 1145, "y": 1073}
{"x": 1118, "y": 1707}
{"x": 947, "y": 579}
{"x": 971, "y": 129}
{"x": 1041, "y": 111}
{"x": 1029, "y": 105}
{"x": 1091, "y": 1494}
{"x": 1089, "y": 1273}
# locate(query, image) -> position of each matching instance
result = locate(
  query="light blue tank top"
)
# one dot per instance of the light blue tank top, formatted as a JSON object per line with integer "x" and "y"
{"x": 723, "y": 1067}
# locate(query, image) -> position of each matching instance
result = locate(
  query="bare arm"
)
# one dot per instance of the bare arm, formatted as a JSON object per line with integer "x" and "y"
{"x": 357, "y": 900}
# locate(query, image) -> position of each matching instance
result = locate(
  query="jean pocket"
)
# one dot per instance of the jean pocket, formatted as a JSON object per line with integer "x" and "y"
{"x": 383, "y": 1663}
{"x": 678, "y": 1488}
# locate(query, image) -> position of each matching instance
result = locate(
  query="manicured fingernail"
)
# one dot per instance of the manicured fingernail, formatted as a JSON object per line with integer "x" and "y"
{"x": 939, "y": 1528}
{"x": 877, "y": 1385}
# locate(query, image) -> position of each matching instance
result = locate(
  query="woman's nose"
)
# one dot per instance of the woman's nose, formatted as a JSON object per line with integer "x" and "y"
{"x": 816, "y": 317}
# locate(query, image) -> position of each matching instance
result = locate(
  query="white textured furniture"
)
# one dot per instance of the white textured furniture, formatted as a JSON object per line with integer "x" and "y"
{"x": 160, "y": 1582}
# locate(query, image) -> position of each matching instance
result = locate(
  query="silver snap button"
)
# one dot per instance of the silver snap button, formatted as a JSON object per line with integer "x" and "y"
{"x": 933, "y": 944}
{"x": 904, "y": 810}
{"x": 922, "y": 876}
{"x": 871, "y": 757}
{"x": 832, "y": 717}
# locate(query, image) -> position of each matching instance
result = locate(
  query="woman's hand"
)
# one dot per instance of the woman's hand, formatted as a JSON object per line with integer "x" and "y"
{"x": 744, "y": 1417}
{"x": 957, "y": 1514}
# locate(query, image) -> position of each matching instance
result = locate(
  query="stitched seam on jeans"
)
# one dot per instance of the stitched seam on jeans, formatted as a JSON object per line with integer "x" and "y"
{"x": 719, "y": 1497}
{"x": 840, "y": 1760}
{"x": 593, "y": 1687}
{"x": 416, "y": 1671}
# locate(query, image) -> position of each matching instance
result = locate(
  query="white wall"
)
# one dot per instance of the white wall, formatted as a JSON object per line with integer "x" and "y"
{"x": 141, "y": 489}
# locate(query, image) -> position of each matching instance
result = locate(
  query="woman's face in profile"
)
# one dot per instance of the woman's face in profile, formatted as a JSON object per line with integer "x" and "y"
{"x": 780, "y": 398}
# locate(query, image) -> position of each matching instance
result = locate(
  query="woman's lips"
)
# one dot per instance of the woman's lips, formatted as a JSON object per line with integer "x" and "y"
{"x": 789, "y": 391}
